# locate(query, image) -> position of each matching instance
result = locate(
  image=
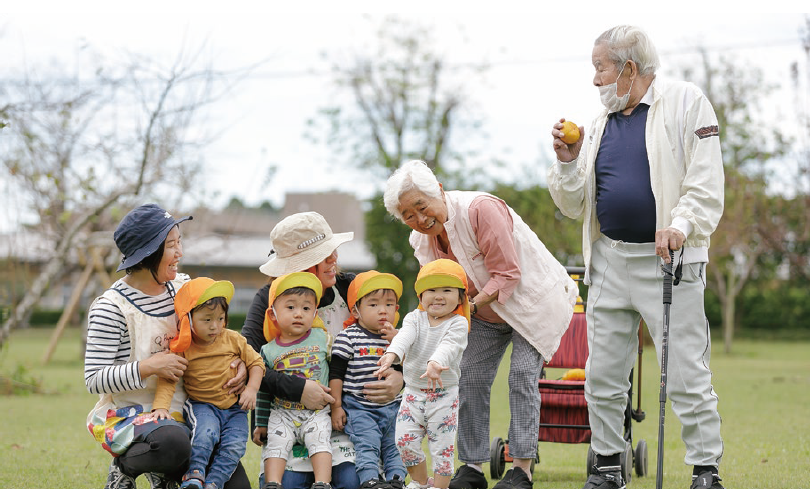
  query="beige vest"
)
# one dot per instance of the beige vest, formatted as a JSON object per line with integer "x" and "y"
{"x": 542, "y": 304}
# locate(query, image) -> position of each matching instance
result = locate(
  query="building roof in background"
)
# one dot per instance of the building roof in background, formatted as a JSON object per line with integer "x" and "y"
{"x": 236, "y": 237}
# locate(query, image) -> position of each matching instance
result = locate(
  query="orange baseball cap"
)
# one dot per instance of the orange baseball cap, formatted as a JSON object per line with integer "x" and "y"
{"x": 191, "y": 295}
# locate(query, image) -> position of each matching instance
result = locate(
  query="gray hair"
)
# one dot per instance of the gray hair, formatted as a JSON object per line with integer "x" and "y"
{"x": 630, "y": 43}
{"x": 413, "y": 174}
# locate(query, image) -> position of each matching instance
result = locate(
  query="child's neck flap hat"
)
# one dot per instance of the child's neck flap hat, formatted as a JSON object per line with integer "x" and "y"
{"x": 443, "y": 273}
{"x": 283, "y": 283}
{"x": 194, "y": 293}
{"x": 367, "y": 282}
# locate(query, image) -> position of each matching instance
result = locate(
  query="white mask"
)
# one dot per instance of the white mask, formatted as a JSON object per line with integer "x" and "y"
{"x": 610, "y": 100}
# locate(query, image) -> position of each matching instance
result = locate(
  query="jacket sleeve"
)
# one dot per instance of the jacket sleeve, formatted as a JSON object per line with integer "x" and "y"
{"x": 702, "y": 189}
{"x": 274, "y": 384}
{"x": 566, "y": 184}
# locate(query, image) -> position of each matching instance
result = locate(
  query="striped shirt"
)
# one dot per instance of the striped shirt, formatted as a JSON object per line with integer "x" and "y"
{"x": 106, "y": 366}
{"x": 361, "y": 350}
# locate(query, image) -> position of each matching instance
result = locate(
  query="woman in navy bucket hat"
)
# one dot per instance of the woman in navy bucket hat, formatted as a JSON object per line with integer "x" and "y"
{"x": 129, "y": 329}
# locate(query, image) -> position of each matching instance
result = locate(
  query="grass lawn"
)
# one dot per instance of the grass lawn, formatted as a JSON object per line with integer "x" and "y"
{"x": 764, "y": 390}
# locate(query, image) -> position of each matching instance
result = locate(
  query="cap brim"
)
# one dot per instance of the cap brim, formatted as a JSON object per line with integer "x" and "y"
{"x": 150, "y": 247}
{"x": 278, "y": 266}
{"x": 437, "y": 280}
{"x": 218, "y": 289}
{"x": 381, "y": 281}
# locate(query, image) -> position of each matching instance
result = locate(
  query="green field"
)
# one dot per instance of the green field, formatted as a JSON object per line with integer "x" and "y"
{"x": 764, "y": 390}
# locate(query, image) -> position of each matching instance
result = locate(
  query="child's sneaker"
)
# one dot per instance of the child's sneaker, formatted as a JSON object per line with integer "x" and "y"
{"x": 193, "y": 479}
{"x": 396, "y": 482}
{"x": 321, "y": 484}
{"x": 375, "y": 483}
{"x": 272, "y": 484}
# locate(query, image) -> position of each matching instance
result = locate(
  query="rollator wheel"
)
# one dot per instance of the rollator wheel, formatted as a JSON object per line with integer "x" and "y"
{"x": 641, "y": 458}
{"x": 497, "y": 461}
{"x": 626, "y": 461}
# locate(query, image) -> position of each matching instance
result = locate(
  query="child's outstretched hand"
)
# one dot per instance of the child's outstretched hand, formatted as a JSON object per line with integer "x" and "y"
{"x": 388, "y": 331}
{"x": 160, "y": 414}
{"x": 434, "y": 374}
{"x": 247, "y": 400}
{"x": 338, "y": 418}
{"x": 385, "y": 363}
{"x": 259, "y": 435}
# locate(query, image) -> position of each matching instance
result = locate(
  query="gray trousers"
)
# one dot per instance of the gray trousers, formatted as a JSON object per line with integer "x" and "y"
{"x": 626, "y": 285}
{"x": 486, "y": 345}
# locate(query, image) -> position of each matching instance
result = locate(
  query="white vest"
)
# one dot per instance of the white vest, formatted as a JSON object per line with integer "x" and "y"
{"x": 147, "y": 335}
{"x": 542, "y": 304}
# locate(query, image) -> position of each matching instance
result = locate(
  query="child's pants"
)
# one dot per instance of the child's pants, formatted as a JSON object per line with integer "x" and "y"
{"x": 431, "y": 413}
{"x": 285, "y": 427}
{"x": 219, "y": 438}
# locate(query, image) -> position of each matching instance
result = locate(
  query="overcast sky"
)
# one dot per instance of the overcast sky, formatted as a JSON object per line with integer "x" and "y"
{"x": 541, "y": 71}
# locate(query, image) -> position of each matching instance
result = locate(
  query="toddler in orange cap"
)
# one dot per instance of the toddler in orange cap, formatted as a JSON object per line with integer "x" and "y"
{"x": 297, "y": 345}
{"x": 372, "y": 299}
{"x": 218, "y": 420}
{"x": 429, "y": 346}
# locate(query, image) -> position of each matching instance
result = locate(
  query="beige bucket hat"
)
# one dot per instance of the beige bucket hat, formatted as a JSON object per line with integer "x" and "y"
{"x": 301, "y": 241}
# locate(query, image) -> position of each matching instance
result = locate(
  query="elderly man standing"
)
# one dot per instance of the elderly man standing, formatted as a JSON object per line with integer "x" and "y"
{"x": 650, "y": 181}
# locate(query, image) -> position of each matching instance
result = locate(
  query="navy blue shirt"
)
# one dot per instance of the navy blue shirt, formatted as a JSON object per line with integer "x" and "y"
{"x": 625, "y": 205}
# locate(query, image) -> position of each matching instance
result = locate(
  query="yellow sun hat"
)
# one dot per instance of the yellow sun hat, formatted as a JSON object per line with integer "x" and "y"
{"x": 283, "y": 283}
{"x": 443, "y": 273}
{"x": 367, "y": 282}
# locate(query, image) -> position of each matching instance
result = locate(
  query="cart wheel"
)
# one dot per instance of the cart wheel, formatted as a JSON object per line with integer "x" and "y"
{"x": 591, "y": 461}
{"x": 497, "y": 464}
{"x": 641, "y": 458}
{"x": 626, "y": 461}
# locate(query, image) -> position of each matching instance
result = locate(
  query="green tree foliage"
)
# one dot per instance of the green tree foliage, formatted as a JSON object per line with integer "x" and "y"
{"x": 749, "y": 146}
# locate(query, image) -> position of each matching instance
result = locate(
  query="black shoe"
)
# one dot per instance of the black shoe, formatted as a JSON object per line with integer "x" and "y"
{"x": 117, "y": 479}
{"x": 707, "y": 479}
{"x": 159, "y": 480}
{"x": 396, "y": 482}
{"x": 321, "y": 484}
{"x": 605, "y": 477}
{"x": 272, "y": 484}
{"x": 375, "y": 483}
{"x": 515, "y": 478}
{"x": 467, "y": 477}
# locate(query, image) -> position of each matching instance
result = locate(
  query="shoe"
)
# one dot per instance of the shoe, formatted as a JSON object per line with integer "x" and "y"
{"x": 467, "y": 477}
{"x": 272, "y": 484}
{"x": 321, "y": 484}
{"x": 396, "y": 482}
{"x": 605, "y": 477}
{"x": 707, "y": 479}
{"x": 375, "y": 483}
{"x": 416, "y": 484}
{"x": 117, "y": 479}
{"x": 193, "y": 479}
{"x": 515, "y": 478}
{"x": 159, "y": 480}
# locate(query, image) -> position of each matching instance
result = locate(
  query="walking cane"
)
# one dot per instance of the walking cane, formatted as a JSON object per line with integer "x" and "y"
{"x": 662, "y": 396}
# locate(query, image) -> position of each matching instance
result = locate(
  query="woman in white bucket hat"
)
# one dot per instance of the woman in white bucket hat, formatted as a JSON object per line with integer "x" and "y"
{"x": 305, "y": 242}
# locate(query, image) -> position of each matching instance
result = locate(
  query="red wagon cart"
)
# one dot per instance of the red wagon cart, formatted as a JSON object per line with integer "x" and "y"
{"x": 564, "y": 411}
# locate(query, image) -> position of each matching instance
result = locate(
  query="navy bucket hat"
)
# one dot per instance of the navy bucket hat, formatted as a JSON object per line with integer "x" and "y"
{"x": 141, "y": 232}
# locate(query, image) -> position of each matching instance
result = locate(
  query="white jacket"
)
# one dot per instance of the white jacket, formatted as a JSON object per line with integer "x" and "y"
{"x": 541, "y": 306}
{"x": 686, "y": 170}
